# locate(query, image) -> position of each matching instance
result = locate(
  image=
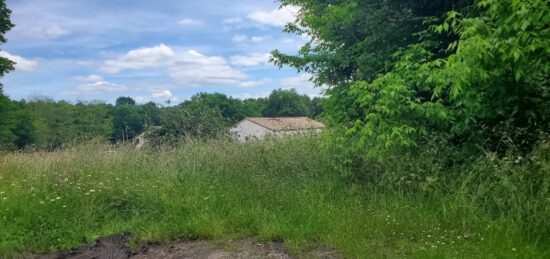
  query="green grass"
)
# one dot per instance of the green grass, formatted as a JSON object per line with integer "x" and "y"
{"x": 276, "y": 190}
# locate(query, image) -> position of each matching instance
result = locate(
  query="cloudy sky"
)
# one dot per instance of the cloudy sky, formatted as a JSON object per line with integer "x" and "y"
{"x": 149, "y": 50}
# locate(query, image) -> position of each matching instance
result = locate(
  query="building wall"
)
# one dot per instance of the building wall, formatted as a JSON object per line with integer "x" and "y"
{"x": 296, "y": 132}
{"x": 247, "y": 130}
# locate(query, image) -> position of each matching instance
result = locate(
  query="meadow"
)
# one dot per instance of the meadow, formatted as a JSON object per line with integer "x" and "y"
{"x": 289, "y": 190}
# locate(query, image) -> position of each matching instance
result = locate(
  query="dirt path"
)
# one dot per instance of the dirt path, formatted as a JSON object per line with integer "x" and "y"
{"x": 115, "y": 247}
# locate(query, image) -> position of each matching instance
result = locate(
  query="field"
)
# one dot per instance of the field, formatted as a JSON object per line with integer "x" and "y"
{"x": 286, "y": 190}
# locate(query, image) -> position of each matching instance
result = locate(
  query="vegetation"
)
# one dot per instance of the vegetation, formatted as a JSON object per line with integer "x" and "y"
{"x": 43, "y": 123}
{"x": 220, "y": 190}
{"x": 458, "y": 71}
{"x": 438, "y": 145}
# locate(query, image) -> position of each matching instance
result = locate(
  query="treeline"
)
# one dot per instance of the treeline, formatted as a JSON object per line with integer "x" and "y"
{"x": 47, "y": 124}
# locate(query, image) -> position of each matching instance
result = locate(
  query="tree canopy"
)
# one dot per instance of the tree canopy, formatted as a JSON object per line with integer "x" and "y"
{"x": 401, "y": 73}
{"x": 6, "y": 65}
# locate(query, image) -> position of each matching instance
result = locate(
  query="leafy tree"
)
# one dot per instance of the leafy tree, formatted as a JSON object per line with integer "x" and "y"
{"x": 9, "y": 120}
{"x": 286, "y": 103}
{"x": 316, "y": 107}
{"x": 151, "y": 115}
{"x": 125, "y": 101}
{"x": 6, "y": 65}
{"x": 230, "y": 108}
{"x": 489, "y": 85}
{"x": 254, "y": 107}
{"x": 93, "y": 121}
{"x": 128, "y": 122}
{"x": 181, "y": 122}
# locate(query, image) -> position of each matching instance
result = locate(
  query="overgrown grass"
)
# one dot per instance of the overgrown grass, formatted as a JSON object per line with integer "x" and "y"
{"x": 275, "y": 190}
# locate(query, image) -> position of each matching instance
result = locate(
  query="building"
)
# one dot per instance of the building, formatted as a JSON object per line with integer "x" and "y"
{"x": 261, "y": 127}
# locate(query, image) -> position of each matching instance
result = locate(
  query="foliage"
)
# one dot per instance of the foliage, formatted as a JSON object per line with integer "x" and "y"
{"x": 220, "y": 190}
{"x": 231, "y": 109}
{"x": 125, "y": 101}
{"x": 289, "y": 103}
{"x": 16, "y": 130}
{"x": 488, "y": 87}
{"x": 6, "y": 65}
{"x": 128, "y": 122}
{"x": 188, "y": 122}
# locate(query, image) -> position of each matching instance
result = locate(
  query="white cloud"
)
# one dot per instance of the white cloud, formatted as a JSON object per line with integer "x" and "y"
{"x": 240, "y": 38}
{"x": 162, "y": 94}
{"x": 249, "y": 84}
{"x": 139, "y": 58}
{"x": 278, "y": 17}
{"x": 141, "y": 99}
{"x": 94, "y": 84}
{"x": 20, "y": 62}
{"x": 157, "y": 95}
{"x": 43, "y": 32}
{"x": 189, "y": 21}
{"x": 254, "y": 59}
{"x": 245, "y": 96}
{"x": 188, "y": 68}
{"x": 302, "y": 84}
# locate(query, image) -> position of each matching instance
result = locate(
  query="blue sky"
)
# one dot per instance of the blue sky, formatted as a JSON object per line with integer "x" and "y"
{"x": 149, "y": 50}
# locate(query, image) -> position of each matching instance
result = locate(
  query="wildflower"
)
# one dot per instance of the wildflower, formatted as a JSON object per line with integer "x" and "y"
{"x": 58, "y": 198}
{"x": 92, "y": 190}
{"x": 513, "y": 249}
{"x": 64, "y": 206}
{"x": 41, "y": 202}
{"x": 4, "y": 198}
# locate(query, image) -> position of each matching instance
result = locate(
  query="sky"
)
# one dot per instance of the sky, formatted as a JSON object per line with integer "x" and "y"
{"x": 87, "y": 50}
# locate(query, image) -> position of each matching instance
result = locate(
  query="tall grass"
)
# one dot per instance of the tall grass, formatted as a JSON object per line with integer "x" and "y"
{"x": 290, "y": 190}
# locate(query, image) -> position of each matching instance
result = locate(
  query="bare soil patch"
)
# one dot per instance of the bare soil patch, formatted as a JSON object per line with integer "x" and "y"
{"x": 115, "y": 247}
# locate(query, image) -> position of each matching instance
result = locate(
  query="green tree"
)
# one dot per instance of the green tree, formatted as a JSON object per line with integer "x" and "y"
{"x": 181, "y": 122}
{"x": 231, "y": 109}
{"x": 6, "y": 65}
{"x": 316, "y": 107}
{"x": 123, "y": 100}
{"x": 286, "y": 103}
{"x": 481, "y": 76}
{"x": 254, "y": 107}
{"x": 151, "y": 115}
{"x": 128, "y": 122}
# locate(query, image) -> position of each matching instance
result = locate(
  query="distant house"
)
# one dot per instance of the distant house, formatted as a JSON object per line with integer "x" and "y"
{"x": 261, "y": 127}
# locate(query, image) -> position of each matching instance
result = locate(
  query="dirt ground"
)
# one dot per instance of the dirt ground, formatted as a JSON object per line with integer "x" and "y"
{"x": 115, "y": 247}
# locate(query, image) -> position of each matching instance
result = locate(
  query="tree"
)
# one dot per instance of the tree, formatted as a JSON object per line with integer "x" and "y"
{"x": 151, "y": 115}
{"x": 472, "y": 76}
{"x": 128, "y": 122}
{"x": 231, "y": 109}
{"x": 316, "y": 107}
{"x": 254, "y": 107}
{"x": 6, "y": 65}
{"x": 286, "y": 103}
{"x": 125, "y": 101}
{"x": 181, "y": 122}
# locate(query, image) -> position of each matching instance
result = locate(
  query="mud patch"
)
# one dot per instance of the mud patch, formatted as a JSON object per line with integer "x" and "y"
{"x": 109, "y": 247}
{"x": 115, "y": 247}
{"x": 205, "y": 249}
